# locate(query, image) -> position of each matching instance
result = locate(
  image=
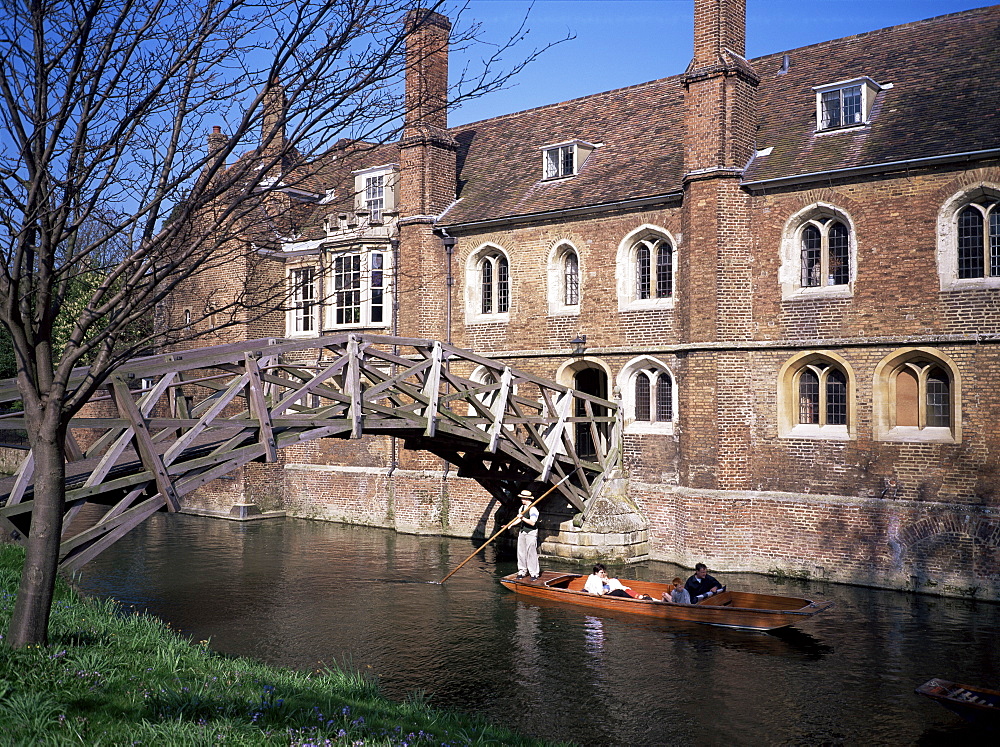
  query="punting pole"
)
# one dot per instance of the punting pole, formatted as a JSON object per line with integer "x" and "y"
{"x": 506, "y": 526}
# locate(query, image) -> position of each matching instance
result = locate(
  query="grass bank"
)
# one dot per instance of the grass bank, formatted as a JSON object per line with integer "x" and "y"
{"x": 113, "y": 677}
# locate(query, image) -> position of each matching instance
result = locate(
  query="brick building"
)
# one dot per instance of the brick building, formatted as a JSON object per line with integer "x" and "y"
{"x": 787, "y": 269}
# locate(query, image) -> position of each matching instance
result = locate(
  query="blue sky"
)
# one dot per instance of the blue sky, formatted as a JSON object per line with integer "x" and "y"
{"x": 623, "y": 42}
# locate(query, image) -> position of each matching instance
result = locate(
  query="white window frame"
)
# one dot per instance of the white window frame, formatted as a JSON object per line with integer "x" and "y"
{"x": 375, "y": 192}
{"x": 556, "y": 273}
{"x": 562, "y": 160}
{"x": 821, "y": 215}
{"x": 295, "y": 318}
{"x": 626, "y": 269}
{"x": 869, "y": 89}
{"x": 651, "y": 368}
{"x": 473, "y": 285}
{"x": 947, "y": 237}
{"x": 367, "y": 273}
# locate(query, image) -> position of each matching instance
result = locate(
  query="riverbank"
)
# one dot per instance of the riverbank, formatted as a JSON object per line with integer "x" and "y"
{"x": 114, "y": 677}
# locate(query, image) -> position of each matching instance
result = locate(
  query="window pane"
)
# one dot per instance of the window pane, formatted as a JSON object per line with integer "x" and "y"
{"x": 830, "y": 109}
{"x": 375, "y": 196}
{"x": 347, "y": 289}
{"x": 571, "y": 282}
{"x": 664, "y": 271}
{"x": 852, "y": 105}
{"x": 840, "y": 268}
{"x": 552, "y": 163}
{"x": 907, "y": 398}
{"x": 377, "y": 286}
{"x": 641, "y": 397}
{"x": 642, "y": 269}
{"x": 664, "y": 399}
{"x": 811, "y": 257}
{"x": 836, "y": 398}
{"x": 995, "y": 241}
{"x": 303, "y": 299}
{"x": 938, "y": 399}
{"x": 970, "y": 243}
{"x": 503, "y": 286}
{"x": 487, "y": 285}
{"x": 808, "y": 397}
{"x": 567, "y": 161}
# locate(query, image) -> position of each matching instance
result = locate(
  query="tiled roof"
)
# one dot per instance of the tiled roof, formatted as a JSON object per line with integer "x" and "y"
{"x": 945, "y": 99}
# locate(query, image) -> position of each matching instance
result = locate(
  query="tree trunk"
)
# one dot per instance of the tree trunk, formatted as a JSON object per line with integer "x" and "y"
{"x": 30, "y": 620}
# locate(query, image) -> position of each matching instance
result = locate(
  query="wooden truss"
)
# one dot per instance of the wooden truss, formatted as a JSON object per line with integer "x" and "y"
{"x": 186, "y": 418}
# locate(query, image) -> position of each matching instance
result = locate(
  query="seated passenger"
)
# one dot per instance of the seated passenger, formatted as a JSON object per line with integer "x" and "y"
{"x": 701, "y": 586}
{"x": 599, "y": 583}
{"x": 679, "y": 595}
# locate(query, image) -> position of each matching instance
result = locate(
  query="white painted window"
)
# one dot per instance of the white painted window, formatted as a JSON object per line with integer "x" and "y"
{"x": 564, "y": 280}
{"x": 487, "y": 285}
{"x": 565, "y": 159}
{"x": 359, "y": 289}
{"x": 304, "y": 313}
{"x": 846, "y": 103}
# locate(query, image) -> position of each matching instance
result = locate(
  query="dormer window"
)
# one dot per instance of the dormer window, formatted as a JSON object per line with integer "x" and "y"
{"x": 846, "y": 103}
{"x": 375, "y": 192}
{"x": 564, "y": 159}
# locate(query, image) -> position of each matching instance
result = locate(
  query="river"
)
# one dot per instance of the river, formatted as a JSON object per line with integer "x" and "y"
{"x": 308, "y": 594}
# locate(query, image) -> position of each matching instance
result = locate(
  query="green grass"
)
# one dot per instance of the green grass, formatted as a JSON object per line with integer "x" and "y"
{"x": 112, "y": 677}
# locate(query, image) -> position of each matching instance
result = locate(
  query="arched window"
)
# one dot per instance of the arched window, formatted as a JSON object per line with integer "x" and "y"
{"x": 818, "y": 253}
{"x": 645, "y": 270}
{"x": 917, "y": 398}
{"x": 968, "y": 249}
{"x": 978, "y": 235}
{"x": 487, "y": 284}
{"x": 571, "y": 279}
{"x": 654, "y": 271}
{"x": 648, "y": 390}
{"x": 815, "y": 397}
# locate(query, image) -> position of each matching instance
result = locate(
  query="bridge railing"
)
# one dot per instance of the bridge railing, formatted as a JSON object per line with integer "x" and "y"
{"x": 172, "y": 423}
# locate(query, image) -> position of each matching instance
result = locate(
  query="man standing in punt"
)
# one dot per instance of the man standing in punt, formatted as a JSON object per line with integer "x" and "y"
{"x": 527, "y": 538}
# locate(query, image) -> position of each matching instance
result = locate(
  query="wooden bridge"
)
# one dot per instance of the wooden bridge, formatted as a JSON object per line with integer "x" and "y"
{"x": 178, "y": 421}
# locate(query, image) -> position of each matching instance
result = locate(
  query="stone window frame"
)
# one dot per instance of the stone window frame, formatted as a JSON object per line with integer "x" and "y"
{"x": 556, "y": 275}
{"x": 367, "y": 274}
{"x": 648, "y": 366}
{"x": 789, "y": 376}
{"x": 884, "y": 397}
{"x": 821, "y": 215}
{"x": 626, "y": 269}
{"x": 473, "y": 284}
{"x": 947, "y": 237}
{"x": 292, "y": 315}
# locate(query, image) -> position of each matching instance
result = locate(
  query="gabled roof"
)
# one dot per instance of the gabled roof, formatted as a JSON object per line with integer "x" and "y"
{"x": 945, "y": 99}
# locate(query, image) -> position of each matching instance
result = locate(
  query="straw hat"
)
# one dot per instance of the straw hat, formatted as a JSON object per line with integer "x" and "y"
{"x": 525, "y": 494}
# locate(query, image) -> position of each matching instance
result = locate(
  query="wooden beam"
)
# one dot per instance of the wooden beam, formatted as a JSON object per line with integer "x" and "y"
{"x": 144, "y": 442}
{"x": 258, "y": 409}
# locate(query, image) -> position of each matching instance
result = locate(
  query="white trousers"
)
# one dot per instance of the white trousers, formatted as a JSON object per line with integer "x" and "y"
{"x": 527, "y": 552}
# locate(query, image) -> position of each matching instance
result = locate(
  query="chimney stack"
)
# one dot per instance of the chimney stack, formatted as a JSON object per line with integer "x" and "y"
{"x": 427, "y": 36}
{"x": 272, "y": 131}
{"x": 719, "y": 25}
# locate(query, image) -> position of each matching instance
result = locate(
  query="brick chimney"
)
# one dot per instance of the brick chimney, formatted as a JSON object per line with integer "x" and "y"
{"x": 428, "y": 176}
{"x": 715, "y": 301}
{"x": 272, "y": 130}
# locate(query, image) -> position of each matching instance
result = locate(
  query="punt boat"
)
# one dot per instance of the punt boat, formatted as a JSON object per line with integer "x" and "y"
{"x": 730, "y": 609}
{"x": 975, "y": 704}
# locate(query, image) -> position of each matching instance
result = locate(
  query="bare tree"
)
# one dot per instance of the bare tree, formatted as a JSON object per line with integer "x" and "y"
{"x": 110, "y": 197}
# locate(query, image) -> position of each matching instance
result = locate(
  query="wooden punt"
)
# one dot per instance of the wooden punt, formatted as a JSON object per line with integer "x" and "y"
{"x": 730, "y": 609}
{"x": 975, "y": 704}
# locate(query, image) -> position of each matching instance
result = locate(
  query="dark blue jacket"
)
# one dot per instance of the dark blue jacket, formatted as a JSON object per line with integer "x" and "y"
{"x": 697, "y": 587}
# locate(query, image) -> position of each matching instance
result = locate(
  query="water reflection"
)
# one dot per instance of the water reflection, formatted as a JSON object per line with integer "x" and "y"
{"x": 306, "y": 594}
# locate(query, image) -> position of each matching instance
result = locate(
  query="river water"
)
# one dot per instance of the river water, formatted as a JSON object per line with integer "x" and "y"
{"x": 308, "y": 594}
